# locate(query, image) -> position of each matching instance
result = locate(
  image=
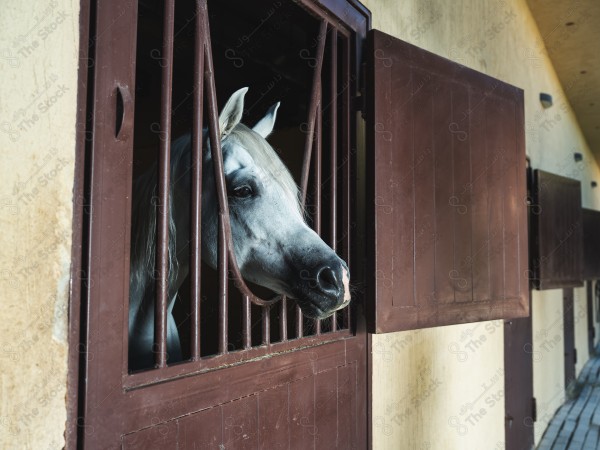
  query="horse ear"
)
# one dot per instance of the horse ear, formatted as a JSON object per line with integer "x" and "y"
{"x": 266, "y": 124}
{"x": 232, "y": 112}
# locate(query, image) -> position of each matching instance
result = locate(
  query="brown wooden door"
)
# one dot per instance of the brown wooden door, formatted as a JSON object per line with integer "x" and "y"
{"x": 519, "y": 403}
{"x": 590, "y": 315}
{"x": 569, "y": 336}
{"x": 309, "y": 393}
{"x": 518, "y": 384}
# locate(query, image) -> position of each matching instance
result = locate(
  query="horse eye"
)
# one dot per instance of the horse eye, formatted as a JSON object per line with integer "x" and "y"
{"x": 244, "y": 191}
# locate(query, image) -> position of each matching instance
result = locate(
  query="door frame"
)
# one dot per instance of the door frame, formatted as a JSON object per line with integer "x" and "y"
{"x": 84, "y": 75}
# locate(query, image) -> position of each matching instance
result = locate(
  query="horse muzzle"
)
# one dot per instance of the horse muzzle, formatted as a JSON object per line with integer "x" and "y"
{"x": 323, "y": 290}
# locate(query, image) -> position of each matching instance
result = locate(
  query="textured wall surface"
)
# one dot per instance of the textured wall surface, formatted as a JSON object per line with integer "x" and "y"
{"x": 581, "y": 328}
{"x": 38, "y": 63}
{"x": 443, "y": 388}
{"x": 548, "y": 355}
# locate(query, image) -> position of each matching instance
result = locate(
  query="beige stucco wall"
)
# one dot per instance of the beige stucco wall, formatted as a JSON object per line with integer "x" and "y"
{"x": 581, "y": 328}
{"x": 38, "y": 66}
{"x": 548, "y": 355}
{"x": 435, "y": 388}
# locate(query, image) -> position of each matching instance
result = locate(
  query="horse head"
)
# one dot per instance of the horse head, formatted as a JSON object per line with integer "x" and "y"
{"x": 274, "y": 246}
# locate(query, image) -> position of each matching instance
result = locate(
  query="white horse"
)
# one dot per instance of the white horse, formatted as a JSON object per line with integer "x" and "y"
{"x": 273, "y": 245}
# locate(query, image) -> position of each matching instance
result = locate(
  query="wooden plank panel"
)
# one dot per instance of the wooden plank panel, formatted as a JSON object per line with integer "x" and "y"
{"x": 424, "y": 189}
{"x": 459, "y": 127}
{"x": 348, "y": 417}
{"x": 274, "y": 419}
{"x": 240, "y": 423}
{"x": 480, "y": 199}
{"x": 457, "y": 162}
{"x": 496, "y": 131}
{"x": 303, "y": 427}
{"x": 158, "y": 437}
{"x": 557, "y": 247}
{"x": 202, "y": 430}
{"x": 392, "y": 205}
{"x": 513, "y": 255}
{"x": 591, "y": 240}
{"x": 326, "y": 409}
{"x": 448, "y": 278}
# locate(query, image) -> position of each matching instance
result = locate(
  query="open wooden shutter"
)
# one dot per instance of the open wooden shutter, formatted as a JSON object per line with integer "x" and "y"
{"x": 591, "y": 247}
{"x": 556, "y": 231}
{"x": 446, "y": 191}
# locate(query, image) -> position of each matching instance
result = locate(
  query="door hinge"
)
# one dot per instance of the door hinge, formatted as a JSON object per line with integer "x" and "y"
{"x": 533, "y": 409}
{"x": 574, "y": 356}
{"x": 358, "y": 104}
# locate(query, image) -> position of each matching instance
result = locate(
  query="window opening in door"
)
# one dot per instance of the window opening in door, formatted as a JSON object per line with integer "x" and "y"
{"x": 283, "y": 52}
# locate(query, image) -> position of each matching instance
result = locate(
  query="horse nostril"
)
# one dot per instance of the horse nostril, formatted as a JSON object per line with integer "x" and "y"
{"x": 327, "y": 281}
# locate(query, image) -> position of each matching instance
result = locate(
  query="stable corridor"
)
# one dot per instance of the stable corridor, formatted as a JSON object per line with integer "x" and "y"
{"x": 576, "y": 424}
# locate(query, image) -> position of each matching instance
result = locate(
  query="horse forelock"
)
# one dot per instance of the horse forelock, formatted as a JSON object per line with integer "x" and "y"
{"x": 267, "y": 159}
{"x": 259, "y": 149}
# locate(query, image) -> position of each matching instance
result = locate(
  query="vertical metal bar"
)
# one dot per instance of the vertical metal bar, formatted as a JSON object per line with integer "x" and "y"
{"x": 283, "y": 331}
{"x": 333, "y": 148}
{"x": 164, "y": 169}
{"x": 317, "y": 179}
{"x": 215, "y": 142}
{"x": 312, "y": 112}
{"x": 223, "y": 280}
{"x": 266, "y": 325}
{"x": 299, "y": 323}
{"x": 196, "y": 231}
{"x": 346, "y": 172}
{"x": 318, "y": 168}
{"x": 246, "y": 322}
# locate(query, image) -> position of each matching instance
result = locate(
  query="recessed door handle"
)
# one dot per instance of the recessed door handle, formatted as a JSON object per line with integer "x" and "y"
{"x": 123, "y": 112}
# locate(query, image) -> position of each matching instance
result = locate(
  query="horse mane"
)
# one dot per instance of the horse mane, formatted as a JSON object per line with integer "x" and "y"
{"x": 143, "y": 220}
{"x": 267, "y": 159}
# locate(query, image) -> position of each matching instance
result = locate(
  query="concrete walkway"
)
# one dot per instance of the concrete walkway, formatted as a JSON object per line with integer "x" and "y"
{"x": 576, "y": 424}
